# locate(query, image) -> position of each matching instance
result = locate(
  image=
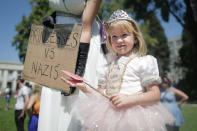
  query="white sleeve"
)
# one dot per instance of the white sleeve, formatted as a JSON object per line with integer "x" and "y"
{"x": 148, "y": 70}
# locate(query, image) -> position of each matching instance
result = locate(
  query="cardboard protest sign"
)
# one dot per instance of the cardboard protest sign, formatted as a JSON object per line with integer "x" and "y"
{"x": 50, "y": 51}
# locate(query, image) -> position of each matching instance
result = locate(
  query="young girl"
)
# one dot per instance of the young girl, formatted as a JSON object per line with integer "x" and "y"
{"x": 130, "y": 83}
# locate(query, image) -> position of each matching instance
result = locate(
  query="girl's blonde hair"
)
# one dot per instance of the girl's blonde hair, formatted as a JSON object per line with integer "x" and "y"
{"x": 139, "y": 48}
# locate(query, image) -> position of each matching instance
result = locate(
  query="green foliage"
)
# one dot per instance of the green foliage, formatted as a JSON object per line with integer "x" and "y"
{"x": 139, "y": 7}
{"x": 145, "y": 28}
{"x": 40, "y": 9}
{"x": 108, "y": 7}
{"x": 161, "y": 49}
{"x": 186, "y": 50}
{"x": 188, "y": 84}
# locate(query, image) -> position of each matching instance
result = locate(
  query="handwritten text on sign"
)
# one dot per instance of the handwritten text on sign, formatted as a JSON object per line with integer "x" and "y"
{"x": 49, "y": 51}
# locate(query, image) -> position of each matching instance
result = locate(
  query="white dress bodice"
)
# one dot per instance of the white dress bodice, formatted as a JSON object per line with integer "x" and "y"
{"x": 139, "y": 72}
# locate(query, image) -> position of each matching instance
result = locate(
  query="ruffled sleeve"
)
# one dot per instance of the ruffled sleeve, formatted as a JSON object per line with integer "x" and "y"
{"x": 148, "y": 70}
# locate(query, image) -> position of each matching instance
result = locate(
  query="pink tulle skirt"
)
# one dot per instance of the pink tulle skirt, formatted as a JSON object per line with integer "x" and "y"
{"x": 96, "y": 113}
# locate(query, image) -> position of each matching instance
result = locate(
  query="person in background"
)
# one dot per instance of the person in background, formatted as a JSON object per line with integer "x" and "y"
{"x": 27, "y": 84}
{"x": 33, "y": 108}
{"x": 168, "y": 98}
{"x": 8, "y": 94}
{"x": 22, "y": 100}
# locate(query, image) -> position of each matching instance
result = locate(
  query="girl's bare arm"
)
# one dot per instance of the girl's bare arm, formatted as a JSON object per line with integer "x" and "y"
{"x": 149, "y": 97}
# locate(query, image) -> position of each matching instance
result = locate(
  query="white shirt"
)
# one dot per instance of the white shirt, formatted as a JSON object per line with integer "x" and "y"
{"x": 20, "y": 100}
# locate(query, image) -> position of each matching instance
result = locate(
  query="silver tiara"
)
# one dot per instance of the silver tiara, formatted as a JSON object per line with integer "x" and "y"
{"x": 119, "y": 15}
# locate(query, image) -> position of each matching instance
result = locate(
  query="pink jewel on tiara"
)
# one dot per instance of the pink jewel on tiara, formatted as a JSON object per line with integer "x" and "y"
{"x": 119, "y": 15}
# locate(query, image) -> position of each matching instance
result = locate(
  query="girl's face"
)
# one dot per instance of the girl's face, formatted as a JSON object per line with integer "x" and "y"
{"x": 122, "y": 41}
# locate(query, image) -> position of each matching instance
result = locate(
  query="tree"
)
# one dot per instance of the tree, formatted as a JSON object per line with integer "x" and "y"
{"x": 40, "y": 9}
{"x": 185, "y": 12}
{"x": 188, "y": 84}
{"x": 160, "y": 48}
{"x": 108, "y": 7}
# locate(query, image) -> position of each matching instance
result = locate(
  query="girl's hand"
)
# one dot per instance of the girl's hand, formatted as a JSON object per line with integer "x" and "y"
{"x": 120, "y": 100}
{"x": 75, "y": 83}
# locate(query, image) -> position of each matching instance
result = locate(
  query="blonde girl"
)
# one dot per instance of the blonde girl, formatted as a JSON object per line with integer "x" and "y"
{"x": 130, "y": 82}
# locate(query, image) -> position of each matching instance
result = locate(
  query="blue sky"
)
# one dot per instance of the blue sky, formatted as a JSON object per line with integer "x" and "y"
{"x": 11, "y": 12}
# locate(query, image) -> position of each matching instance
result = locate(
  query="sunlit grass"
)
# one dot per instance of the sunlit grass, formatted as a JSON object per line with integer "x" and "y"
{"x": 7, "y": 122}
{"x": 190, "y": 118}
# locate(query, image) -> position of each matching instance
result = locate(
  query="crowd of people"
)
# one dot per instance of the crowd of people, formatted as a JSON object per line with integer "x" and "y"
{"x": 27, "y": 102}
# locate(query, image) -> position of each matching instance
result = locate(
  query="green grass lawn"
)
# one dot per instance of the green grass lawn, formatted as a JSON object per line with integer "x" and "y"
{"x": 7, "y": 122}
{"x": 190, "y": 118}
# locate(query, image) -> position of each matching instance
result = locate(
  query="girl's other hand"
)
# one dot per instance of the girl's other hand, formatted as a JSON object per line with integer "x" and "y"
{"x": 120, "y": 100}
